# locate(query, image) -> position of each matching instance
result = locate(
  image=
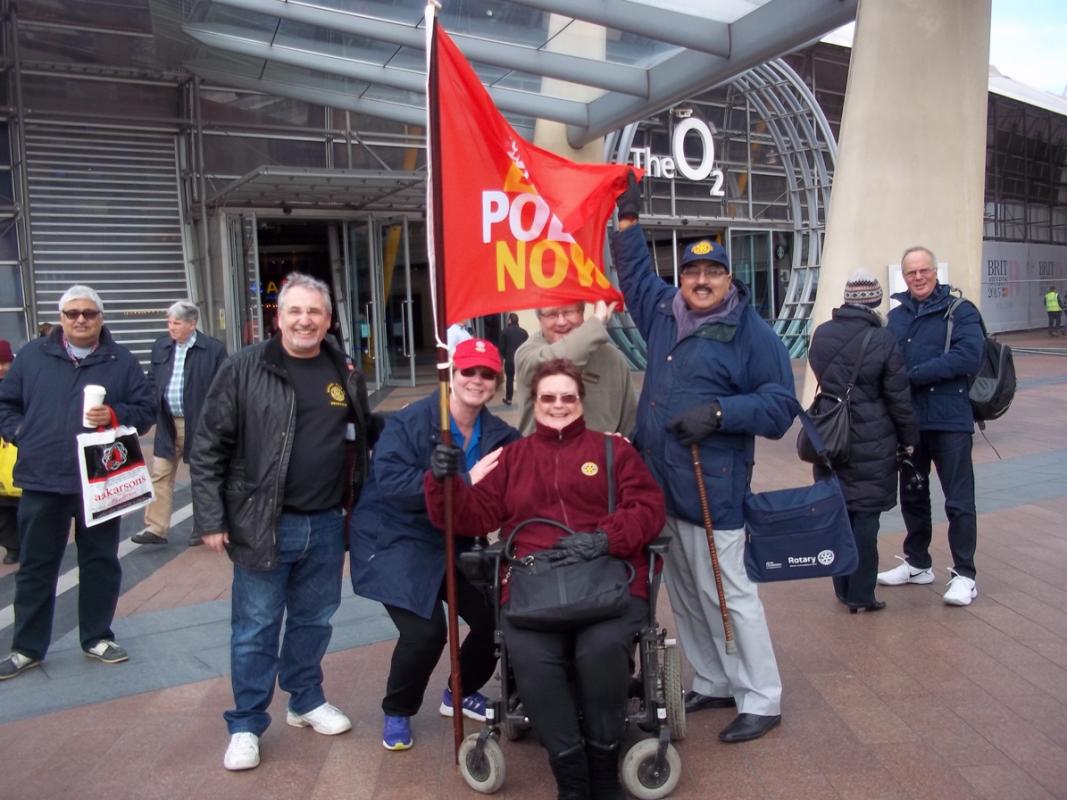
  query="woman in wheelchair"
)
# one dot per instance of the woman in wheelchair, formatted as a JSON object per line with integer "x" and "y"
{"x": 574, "y": 682}
{"x": 398, "y": 556}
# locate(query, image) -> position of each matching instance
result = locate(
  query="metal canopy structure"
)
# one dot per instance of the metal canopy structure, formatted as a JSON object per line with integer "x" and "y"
{"x": 632, "y": 58}
{"x": 326, "y": 189}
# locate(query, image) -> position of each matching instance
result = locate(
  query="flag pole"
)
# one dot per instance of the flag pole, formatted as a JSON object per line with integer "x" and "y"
{"x": 436, "y": 253}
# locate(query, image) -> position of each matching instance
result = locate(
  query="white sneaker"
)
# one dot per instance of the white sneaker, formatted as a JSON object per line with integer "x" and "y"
{"x": 961, "y": 590}
{"x": 905, "y": 573}
{"x": 326, "y": 719}
{"x": 243, "y": 752}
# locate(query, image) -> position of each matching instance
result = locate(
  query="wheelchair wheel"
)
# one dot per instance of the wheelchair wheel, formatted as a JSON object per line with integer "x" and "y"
{"x": 673, "y": 691}
{"x": 482, "y": 768}
{"x": 639, "y": 775}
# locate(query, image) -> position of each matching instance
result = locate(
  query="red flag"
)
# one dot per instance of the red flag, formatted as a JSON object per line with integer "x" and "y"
{"x": 516, "y": 226}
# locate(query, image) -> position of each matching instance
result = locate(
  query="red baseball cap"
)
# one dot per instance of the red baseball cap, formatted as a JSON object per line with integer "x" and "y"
{"x": 477, "y": 353}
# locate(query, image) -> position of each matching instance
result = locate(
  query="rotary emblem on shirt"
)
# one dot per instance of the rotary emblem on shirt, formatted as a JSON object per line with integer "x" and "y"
{"x": 336, "y": 393}
{"x": 589, "y": 468}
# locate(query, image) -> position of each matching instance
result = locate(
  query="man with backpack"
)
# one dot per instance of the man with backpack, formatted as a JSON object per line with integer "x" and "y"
{"x": 941, "y": 355}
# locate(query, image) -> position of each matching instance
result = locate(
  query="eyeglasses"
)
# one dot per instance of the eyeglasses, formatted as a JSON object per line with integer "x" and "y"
{"x": 691, "y": 273}
{"x": 88, "y": 313}
{"x": 552, "y": 399}
{"x": 555, "y": 313}
{"x": 484, "y": 373}
{"x": 915, "y": 273}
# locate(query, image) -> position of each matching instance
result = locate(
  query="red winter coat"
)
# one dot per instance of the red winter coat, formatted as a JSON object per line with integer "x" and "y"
{"x": 560, "y": 475}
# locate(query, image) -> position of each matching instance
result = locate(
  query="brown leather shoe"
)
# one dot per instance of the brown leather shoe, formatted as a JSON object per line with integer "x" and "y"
{"x": 147, "y": 537}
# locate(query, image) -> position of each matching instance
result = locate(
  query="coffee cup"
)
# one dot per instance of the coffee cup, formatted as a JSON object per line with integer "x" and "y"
{"x": 93, "y": 396}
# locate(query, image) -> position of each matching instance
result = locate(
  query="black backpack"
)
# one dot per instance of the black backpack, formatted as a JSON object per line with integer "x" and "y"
{"x": 993, "y": 386}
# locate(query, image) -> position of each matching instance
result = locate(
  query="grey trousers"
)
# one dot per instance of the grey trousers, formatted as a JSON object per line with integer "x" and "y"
{"x": 750, "y": 676}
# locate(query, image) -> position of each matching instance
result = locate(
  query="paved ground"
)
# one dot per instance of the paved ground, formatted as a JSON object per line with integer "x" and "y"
{"x": 920, "y": 701}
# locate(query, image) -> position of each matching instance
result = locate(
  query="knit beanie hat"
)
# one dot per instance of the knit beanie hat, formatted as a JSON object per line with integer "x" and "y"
{"x": 863, "y": 289}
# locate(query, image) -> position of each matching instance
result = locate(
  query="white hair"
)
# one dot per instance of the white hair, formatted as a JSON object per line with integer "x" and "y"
{"x": 184, "y": 311}
{"x": 295, "y": 279}
{"x": 80, "y": 292}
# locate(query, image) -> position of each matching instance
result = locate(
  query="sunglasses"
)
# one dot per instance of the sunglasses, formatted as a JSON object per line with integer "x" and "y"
{"x": 87, "y": 313}
{"x": 552, "y": 399}
{"x": 692, "y": 273}
{"x": 484, "y": 373}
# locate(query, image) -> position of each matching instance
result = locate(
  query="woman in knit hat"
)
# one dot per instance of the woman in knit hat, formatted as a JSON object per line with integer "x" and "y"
{"x": 881, "y": 420}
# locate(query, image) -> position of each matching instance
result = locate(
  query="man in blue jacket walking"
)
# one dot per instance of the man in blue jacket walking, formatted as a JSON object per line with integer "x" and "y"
{"x": 717, "y": 376}
{"x": 184, "y": 362}
{"x": 939, "y": 373}
{"x": 41, "y": 412}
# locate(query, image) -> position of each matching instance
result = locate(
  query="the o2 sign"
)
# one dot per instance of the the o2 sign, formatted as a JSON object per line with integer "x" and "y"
{"x": 677, "y": 164}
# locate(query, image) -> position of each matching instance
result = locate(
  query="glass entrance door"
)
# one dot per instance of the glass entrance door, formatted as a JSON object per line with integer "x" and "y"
{"x": 244, "y": 298}
{"x": 383, "y": 330}
{"x": 751, "y": 263}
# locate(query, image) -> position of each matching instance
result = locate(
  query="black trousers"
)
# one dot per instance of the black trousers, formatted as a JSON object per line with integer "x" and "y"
{"x": 589, "y": 669}
{"x": 859, "y": 586}
{"x": 1055, "y": 320}
{"x": 9, "y": 525}
{"x": 422, "y": 640}
{"x": 950, "y": 452}
{"x": 509, "y": 378}
{"x": 44, "y": 524}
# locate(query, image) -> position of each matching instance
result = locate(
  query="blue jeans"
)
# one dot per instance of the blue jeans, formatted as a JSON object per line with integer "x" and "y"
{"x": 305, "y": 586}
{"x": 950, "y": 453}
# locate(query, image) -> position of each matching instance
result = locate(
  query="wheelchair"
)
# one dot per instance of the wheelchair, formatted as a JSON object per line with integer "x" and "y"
{"x": 655, "y": 716}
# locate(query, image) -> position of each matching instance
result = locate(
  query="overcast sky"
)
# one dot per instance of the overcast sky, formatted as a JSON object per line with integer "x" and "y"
{"x": 1028, "y": 42}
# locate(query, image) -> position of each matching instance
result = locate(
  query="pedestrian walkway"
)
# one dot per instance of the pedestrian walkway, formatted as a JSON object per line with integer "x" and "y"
{"x": 919, "y": 701}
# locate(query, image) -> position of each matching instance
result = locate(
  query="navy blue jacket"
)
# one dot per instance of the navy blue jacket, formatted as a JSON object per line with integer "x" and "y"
{"x": 397, "y": 554}
{"x": 41, "y": 406}
{"x": 939, "y": 379}
{"x": 738, "y": 362}
{"x": 201, "y": 363}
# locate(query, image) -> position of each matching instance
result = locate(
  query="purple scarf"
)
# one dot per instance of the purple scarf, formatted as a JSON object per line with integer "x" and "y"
{"x": 688, "y": 321}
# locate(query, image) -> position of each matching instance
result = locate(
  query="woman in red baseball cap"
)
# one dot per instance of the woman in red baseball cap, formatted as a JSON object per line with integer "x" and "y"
{"x": 398, "y": 555}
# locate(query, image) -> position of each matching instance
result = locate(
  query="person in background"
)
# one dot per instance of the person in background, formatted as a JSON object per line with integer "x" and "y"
{"x": 457, "y": 332}
{"x": 41, "y": 412}
{"x": 939, "y": 378}
{"x": 184, "y": 362}
{"x": 611, "y": 400}
{"x": 1055, "y": 312}
{"x": 398, "y": 555}
{"x": 281, "y": 450}
{"x": 44, "y": 328}
{"x": 880, "y": 420}
{"x": 9, "y": 529}
{"x": 511, "y": 338}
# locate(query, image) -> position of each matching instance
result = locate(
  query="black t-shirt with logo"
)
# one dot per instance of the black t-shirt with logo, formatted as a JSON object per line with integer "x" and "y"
{"x": 315, "y": 480}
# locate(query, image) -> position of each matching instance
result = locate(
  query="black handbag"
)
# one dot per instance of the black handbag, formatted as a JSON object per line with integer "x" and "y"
{"x": 803, "y": 532}
{"x": 832, "y": 418}
{"x": 544, "y": 595}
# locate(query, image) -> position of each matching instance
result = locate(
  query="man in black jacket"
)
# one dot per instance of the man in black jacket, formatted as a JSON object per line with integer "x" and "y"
{"x": 41, "y": 413}
{"x": 184, "y": 362}
{"x": 510, "y": 339}
{"x": 280, "y": 452}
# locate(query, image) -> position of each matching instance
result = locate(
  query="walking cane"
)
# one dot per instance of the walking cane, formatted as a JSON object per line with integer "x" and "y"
{"x": 702, "y": 491}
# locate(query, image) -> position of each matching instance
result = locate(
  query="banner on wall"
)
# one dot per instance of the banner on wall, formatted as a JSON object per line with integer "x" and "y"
{"x": 1015, "y": 278}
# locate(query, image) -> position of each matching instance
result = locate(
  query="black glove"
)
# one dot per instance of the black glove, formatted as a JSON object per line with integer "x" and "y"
{"x": 579, "y": 547}
{"x": 445, "y": 460}
{"x": 911, "y": 480}
{"x": 697, "y": 423}
{"x": 629, "y": 202}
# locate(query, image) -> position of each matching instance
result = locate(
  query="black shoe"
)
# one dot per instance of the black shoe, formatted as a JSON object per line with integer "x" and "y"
{"x": 571, "y": 771}
{"x": 11, "y": 557}
{"x": 604, "y": 772}
{"x": 874, "y": 605}
{"x": 695, "y": 701}
{"x": 747, "y": 727}
{"x": 507, "y": 402}
{"x": 195, "y": 540}
{"x": 147, "y": 537}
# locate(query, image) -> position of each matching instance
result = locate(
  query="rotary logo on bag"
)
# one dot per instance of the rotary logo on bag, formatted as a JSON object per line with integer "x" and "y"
{"x": 114, "y": 456}
{"x": 826, "y": 557}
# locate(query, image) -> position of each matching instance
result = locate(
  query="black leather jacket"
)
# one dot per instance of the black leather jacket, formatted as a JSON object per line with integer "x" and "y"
{"x": 240, "y": 454}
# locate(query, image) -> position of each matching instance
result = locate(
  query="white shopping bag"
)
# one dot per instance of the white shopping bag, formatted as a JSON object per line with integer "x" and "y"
{"x": 115, "y": 479}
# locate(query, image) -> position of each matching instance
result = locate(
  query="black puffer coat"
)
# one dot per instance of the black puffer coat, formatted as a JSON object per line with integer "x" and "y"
{"x": 881, "y": 407}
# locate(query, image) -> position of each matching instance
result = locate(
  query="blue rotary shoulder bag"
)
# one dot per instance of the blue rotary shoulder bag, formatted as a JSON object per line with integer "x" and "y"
{"x": 802, "y": 532}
